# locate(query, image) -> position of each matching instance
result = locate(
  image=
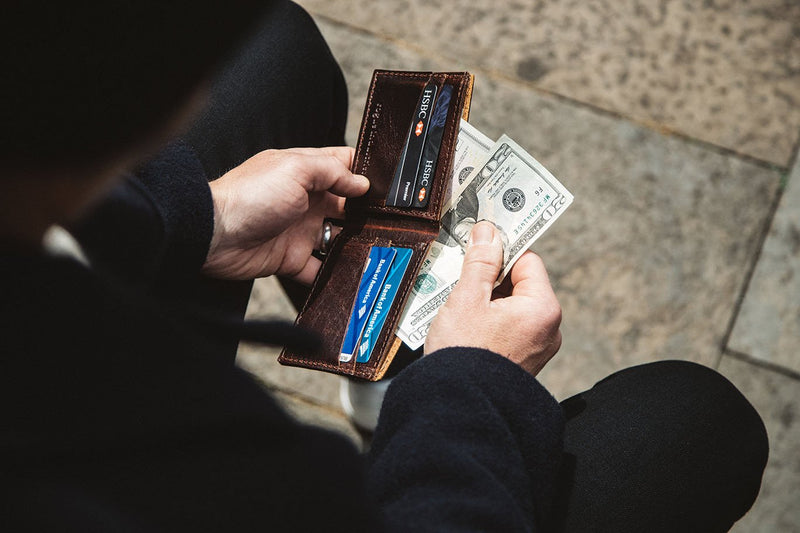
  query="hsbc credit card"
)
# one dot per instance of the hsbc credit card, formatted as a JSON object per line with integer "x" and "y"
{"x": 385, "y": 299}
{"x": 401, "y": 192}
{"x": 375, "y": 271}
{"x": 430, "y": 152}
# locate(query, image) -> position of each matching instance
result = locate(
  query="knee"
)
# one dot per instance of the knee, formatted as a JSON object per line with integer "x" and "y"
{"x": 296, "y": 47}
{"x": 684, "y": 446}
{"x": 705, "y": 394}
{"x": 721, "y": 421}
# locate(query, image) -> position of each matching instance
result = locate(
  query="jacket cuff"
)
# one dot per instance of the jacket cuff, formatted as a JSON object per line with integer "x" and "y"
{"x": 475, "y": 374}
{"x": 177, "y": 182}
{"x": 474, "y": 399}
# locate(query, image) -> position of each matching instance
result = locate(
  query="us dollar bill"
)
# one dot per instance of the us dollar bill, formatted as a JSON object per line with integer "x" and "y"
{"x": 472, "y": 147}
{"x": 509, "y": 188}
{"x": 442, "y": 266}
{"x": 437, "y": 278}
{"x": 512, "y": 190}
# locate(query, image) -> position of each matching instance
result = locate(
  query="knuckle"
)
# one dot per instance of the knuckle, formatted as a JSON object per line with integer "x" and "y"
{"x": 549, "y": 309}
{"x": 271, "y": 155}
{"x": 334, "y": 161}
{"x": 554, "y": 313}
{"x": 557, "y": 339}
{"x": 484, "y": 269}
{"x": 291, "y": 163}
{"x": 482, "y": 257}
{"x": 544, "y": 319}
{"x": 478, "y": 256}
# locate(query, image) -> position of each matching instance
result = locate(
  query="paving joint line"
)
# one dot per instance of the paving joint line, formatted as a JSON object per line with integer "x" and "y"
{"x": 766, "y": 365}
{"x": 751, "y": 271}
{"x": 792, "y": 160}
{"x": 737, "y": 307}
{"x": 501, "y": 76}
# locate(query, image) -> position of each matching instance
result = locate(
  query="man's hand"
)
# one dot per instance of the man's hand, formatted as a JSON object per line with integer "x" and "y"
{"x": 268, "y": 211}
{"x": 522, "y": 326}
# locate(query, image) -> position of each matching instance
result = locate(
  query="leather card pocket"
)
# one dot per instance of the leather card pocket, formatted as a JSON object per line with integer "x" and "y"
{"x": 333, "y": 297}
{"x": 386, "y": 126}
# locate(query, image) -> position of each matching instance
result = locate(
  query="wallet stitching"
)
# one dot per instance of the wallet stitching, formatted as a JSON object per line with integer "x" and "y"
{"x": 371, "y": 95}
{"x": 363, "y": 371}
{"x": 362, "y": 133}
{"x": 322, "y": 365}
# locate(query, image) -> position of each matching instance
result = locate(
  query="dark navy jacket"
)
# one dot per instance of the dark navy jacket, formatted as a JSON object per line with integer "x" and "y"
{"x": 119, "y": 414}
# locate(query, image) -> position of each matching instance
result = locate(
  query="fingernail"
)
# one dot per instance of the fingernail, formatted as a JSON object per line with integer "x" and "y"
{"x": 363, "y": 179}
{"x": 482, "y": 233}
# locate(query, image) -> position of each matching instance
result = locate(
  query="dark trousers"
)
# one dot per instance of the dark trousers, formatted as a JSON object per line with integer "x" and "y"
{"x": 283, "y": 89}
{"x": 668, "y": 446}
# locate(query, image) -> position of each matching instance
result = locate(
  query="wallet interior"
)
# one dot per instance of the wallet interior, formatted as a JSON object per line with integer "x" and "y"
{"x": 391, "y": 103}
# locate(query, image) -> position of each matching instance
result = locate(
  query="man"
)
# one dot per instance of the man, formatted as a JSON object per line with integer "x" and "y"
{"x": 122, "y": 409}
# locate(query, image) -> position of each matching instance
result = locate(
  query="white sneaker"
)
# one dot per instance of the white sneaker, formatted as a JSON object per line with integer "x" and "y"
{"x": 361, "y": 401}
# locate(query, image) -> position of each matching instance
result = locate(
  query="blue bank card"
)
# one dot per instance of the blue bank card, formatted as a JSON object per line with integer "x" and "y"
{"x": 384, "y": 304}
{"x": 375, "y": 271}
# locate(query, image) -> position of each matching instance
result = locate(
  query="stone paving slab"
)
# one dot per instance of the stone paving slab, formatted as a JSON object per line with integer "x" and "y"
{"x": 648, "y": 263}
{"x": 318, "y": 415}
{"x": 725, "y": 72}
{"x": 777, "y": 400}
{"x": 768, "y": 325}
{"x": 649, "y": 260}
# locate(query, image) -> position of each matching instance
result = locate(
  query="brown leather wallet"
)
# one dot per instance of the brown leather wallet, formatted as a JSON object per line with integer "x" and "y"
{"x": 391, "y": 102}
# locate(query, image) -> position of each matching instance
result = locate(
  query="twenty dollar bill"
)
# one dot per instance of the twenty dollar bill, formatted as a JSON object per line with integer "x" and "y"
{"x": 509, "y": 188}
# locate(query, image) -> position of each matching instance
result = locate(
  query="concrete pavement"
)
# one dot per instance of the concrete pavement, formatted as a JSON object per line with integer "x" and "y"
{"x": 676, "y": 127}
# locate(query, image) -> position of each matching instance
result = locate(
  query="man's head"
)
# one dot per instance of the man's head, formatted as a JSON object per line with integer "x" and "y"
{"x": 88, "y": 87}
{"x": 86, "y": 81}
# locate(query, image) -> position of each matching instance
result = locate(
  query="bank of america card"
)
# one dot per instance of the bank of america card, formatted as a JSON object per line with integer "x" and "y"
{"x": 375, "y": 271}
{"x": 384, "y": 304}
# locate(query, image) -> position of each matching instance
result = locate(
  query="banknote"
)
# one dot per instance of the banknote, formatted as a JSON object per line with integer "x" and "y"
{"x": 509, "y": 188}
{"x": 512, "y": 190}
{"x": 472, "y": 147}
{"x": 442, "y": 266}
{"x": 437, "y": 278}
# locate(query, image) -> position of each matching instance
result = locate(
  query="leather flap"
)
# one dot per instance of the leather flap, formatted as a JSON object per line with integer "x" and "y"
{"x": 388, "y": 115}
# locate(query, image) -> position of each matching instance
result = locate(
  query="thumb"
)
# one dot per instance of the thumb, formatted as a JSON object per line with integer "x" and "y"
{"x": 482, "y": 263}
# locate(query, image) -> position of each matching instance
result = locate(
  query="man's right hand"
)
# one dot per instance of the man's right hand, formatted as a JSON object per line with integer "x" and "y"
{"x": 523, "y": 327}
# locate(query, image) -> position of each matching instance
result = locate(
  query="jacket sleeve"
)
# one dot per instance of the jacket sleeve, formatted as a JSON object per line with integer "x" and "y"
{"x": 466, "y": 441}
{"x": 155, "y": 224}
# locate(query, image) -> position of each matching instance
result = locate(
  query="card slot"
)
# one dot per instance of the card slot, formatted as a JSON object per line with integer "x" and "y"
{"x": 334, "y": 294}
{"x": 419, "y": 247}
{"x": 386, "y": 344}
{"x": 388, "y": 116}
{"x": 332, "y": 299}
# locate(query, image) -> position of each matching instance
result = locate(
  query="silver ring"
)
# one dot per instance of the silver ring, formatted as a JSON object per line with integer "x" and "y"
{"x": 327, "y": 234}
